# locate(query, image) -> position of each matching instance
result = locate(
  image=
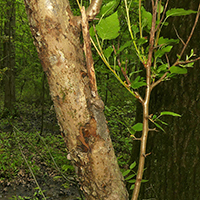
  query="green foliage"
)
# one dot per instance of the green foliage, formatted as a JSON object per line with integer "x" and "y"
{"x": 146, "y": 50}
{"x": 108, "y": 28}
{"x": 120, "y": 119}
{"x": 156, "y": 119}
{"x": 138, "y": 127}
{"x": 108, "y": 8}
{"x": 129, "y": 175}
{"x": 179, "y": 12}
{"x": 12, "y": 161}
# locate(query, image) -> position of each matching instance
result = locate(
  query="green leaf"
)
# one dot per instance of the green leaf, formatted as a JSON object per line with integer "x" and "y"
{"x": 154, "y": 117}
{"x": 108, "y": 28}
{"x": 161, "y": 121}
{"x": 159, "y": 126}
{"x": 92, "y": 32}
{"x": 178, "y": 70}
{"x": 108, "y": 51}
{"x": 159, "y": 53}
{"x": 161, "y": 8}
{"x": 170, "y": 113}
{"x": 188, "y": 65}
{"x": 162, "y": 40}
{"x": 126, "y": 172}
{"x": 144, "y": 181}
{"x": 137, "y": 83}
{"x": 142, "y": 41}
{"x": 146, "y": 18}
{"x": 135, "y": 29}
{"x": 127, "y": 44}
{"x": 132, "y": 187}
{"x": 132, "y": 165}
{"x": 138, "y": 127}
{"x": 162, "y": 68}
{"x": 132, "y": 181}
{"x": 179, "y": 12}
{"x": 130, "y": 177}
{"x": 108, "y": 8}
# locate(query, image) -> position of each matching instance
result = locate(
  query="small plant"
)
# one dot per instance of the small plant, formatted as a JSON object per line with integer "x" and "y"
{"x": 129, "y": 175}
{"x": 151, "y": 50}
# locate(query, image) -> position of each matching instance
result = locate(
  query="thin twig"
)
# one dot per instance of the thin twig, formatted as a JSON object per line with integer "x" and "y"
{"x": 178, "y": 35}
{"x": 188, "y": 61}
{"x": 88, "y": 53}
{"x": 122, "y": 70}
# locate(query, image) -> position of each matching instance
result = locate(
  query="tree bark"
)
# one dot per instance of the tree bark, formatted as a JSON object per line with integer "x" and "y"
{"x": 79, "y": 113}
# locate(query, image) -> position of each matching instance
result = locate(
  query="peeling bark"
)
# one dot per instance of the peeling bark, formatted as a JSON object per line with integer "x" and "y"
{"x": 79, "y": 114}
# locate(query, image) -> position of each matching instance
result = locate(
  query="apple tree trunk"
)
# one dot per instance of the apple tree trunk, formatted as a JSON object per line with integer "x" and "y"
{"x": 80, "y": 114}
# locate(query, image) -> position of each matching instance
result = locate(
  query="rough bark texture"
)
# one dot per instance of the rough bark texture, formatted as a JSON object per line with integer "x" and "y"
{"x": 80, "y": 115}
{"x": 173, "y": 166}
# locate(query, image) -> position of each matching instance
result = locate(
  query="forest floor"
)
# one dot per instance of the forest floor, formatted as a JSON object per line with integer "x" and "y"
{"x": 27, "y": 157}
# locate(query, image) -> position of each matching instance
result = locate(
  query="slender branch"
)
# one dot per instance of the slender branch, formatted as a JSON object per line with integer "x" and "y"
{"x": 188, "y": 61}
{"x": 146, "y": 107}
{"x": 88, "y": 53}
{"x": 123, "y": 71}
{"x": 91, "y": 11}
{"x": 178, "y": 35}
{"x": 191, "y": 33}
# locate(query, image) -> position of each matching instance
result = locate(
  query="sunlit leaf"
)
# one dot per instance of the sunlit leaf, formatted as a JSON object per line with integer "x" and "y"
{"x": 162, "y": 68}
{"x": 188, "y": 65}
{"x": 179, "y": 12}
{"x": 126, "y": 172}
{"x": 132, "y": 165}
{"x": 137, "y": 83}
{"x": 160, "y": 52}
{"x": 92, "y": 32}
{"x": 130, "y": 177}
{"x": 138, "y": 127}
{"x": 132, "y": 181}
{"x": 144, "y": 181}
{"x": 132, "y": 187}
{"x": 161, "y": 121}
{"x": 162, "y": 40}
{"x": 178, "y": 70}
{"x": 146, "y": 18}
{"x": 161, "y": 8}
{"x": 108, "y": 28}
{"x": 170, "y": 113}
{"x": 108, "y": 51}
{"x": 127, "y": 44}
{"x": 142, "y": 41}
{"x": 154, "y": 117}
{"x": 135, "y": 29}
{"x": 108, "y": 8}
{"x": 159, "y": 126}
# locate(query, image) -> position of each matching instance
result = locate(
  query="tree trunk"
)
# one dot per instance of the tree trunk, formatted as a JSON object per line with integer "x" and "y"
{"x": 9, "y": 56}
{"x": 173, "y": 166}
{"x": 80, "y": 115}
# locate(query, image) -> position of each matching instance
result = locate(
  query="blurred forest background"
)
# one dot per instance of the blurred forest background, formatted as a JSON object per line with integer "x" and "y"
{"x": 30, "y": 136}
